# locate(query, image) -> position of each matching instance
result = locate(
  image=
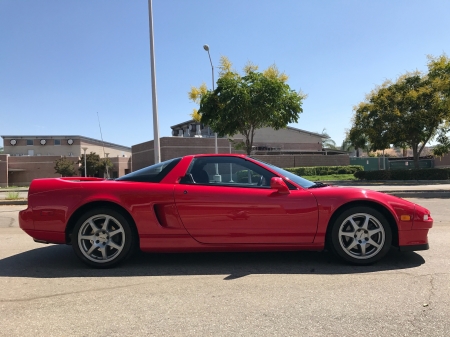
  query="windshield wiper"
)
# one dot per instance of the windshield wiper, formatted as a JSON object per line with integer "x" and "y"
{"x": 318, "y": 184}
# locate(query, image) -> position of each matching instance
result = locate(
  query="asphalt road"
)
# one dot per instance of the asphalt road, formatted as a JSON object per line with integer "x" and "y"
{"x": 46, "y": 291}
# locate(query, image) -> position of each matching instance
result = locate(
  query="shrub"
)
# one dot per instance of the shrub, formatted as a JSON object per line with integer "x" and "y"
{"x": 12, "y": 196}
{"x": 414, "y": 174}
{"x": 325, "y": 170}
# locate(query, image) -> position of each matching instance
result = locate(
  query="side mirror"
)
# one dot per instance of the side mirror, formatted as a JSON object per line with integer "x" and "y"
{"x": 278, "y": 184}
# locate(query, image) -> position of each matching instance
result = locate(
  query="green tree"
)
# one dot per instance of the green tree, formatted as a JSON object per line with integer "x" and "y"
{"x": 407, "y": 112}
{"x": 65, "y": 167}
{"x": 443, "y": 147}
{"x": 1, "y": 150}
{"x": 358, "y": 140}
{"x": 439, "y": 74}
{"x": 105, "y": 166}
{"x": 92, "y": 164}
{"x": 243, "y": 104}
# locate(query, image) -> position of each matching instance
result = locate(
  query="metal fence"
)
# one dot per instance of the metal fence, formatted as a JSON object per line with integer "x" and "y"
{"x": 376, "y": 163}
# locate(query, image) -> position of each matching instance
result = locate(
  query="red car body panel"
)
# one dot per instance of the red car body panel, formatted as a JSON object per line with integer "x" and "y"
{"x": 174, "y": 217}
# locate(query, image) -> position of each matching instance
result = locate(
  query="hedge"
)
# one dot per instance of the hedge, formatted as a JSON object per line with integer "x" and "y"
{"x": 325, "y": 170}
{"x": 414, "y": 174}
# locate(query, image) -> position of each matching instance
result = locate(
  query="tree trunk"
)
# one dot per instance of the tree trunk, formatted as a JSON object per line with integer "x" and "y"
{"x": 415, "y": 155}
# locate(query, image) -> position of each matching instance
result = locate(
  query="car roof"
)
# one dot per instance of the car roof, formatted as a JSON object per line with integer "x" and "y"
{"x": 218, "y": 155}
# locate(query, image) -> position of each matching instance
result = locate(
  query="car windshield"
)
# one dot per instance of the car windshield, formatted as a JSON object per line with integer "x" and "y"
{"x": 305, "y": 183}
{"x": 151, "y": 174}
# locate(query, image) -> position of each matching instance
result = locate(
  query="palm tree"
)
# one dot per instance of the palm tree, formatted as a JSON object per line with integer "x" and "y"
{"x": 327, "y": 143}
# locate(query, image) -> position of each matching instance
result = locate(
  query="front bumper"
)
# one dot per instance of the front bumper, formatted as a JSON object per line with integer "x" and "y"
{"x": 413, "y": 248}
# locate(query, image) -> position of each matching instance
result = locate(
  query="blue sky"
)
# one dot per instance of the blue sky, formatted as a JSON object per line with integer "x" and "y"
{"x": 61, "y": 62}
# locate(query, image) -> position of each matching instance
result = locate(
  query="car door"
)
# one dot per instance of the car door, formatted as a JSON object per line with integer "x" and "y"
{"x": 235, "y": 205}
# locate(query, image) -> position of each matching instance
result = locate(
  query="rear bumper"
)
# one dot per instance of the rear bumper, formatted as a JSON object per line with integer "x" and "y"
{"x": 46, "y": 237}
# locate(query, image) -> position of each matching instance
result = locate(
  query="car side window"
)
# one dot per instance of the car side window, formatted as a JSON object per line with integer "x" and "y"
{"x": 227, "y": 171}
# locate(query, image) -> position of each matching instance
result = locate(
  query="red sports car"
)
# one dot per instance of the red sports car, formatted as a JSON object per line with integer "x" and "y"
{"x": 209, "y": 203}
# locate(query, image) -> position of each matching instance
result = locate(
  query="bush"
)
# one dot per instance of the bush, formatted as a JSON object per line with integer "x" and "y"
{"x": 325, "y": 170}
{"x": 414, "y": 174}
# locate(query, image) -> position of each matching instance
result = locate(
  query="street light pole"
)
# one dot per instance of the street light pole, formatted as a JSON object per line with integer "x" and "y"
{"x": 84, "y": 149}
{"x": 156, "y": 147}
{"x": 106, "y": 163}
{"x": 206, "y": 47}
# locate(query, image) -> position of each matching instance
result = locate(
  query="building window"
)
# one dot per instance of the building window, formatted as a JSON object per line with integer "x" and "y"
{"x": 29, "y": 141}
{"x": 57, "y": 141}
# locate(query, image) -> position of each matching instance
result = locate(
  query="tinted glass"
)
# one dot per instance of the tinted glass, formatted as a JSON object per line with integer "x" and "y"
{"x": 228, "y": 171}
{"x": 305, "y": 183}
{"x": 151, "y": 174}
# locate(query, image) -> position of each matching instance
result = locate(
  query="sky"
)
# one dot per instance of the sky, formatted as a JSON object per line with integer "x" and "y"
{"x": 66, "y": 65}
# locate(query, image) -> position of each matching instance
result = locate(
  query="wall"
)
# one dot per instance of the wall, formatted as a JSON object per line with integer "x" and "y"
{"x": 22, "y": 170}
{"x": 304, "y": 160}
{"x": 173, "y": 147}
{"x": 4, "y": 170}
{"x": 442, "y": 161}
{"x": 122, "y": 166}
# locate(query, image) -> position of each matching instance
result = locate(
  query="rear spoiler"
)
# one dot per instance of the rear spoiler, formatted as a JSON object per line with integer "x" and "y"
{"x": 82, "y": 178}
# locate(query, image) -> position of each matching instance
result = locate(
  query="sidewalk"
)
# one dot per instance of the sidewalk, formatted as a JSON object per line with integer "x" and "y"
{"x": 402, "y": 189}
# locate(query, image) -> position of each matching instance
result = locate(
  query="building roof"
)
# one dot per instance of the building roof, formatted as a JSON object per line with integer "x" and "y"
{"x": 192, "y": 121}
{"x": 87, "y": 139}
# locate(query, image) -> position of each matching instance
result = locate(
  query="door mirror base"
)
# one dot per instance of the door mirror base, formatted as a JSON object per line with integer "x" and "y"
{"x": 278, "y": 184}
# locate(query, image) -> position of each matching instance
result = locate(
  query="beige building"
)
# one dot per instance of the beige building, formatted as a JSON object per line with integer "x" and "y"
{"x": 29, "y": 157}
{"x": 288, "y": 147}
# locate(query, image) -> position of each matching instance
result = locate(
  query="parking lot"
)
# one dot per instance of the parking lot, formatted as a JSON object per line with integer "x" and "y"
{"x": 46, "y": 291}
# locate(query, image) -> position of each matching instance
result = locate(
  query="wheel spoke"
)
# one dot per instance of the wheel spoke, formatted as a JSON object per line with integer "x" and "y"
{"x": 355, "y": 226}
{"x": 373, "y": 243}
{"x": 348, "y": 234}
{"x": 89, "y": 252}
{"x": 87, "y": 237}
{"x": 352, "y": 245}
{"x": 114, "y": 245}
{"x": 93, "y": 225}
{"x": 366, "y": 222}
{"x": 105, "y": 223}
{"x": 111, "y": 234}
{"x": 363, "y": 249}
{"x": 374, "y": 231}
{"x": 103, "y": 251}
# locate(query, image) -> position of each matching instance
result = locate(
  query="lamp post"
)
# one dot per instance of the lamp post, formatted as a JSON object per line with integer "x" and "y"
{"x": 156, "y": 147}
{"x": 206, "y": 47}
{"x": 106, "y": 164}
{"x": 84, "y": 149}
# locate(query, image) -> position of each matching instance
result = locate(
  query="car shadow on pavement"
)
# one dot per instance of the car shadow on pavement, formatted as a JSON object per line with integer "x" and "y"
{"x": 59, "y": 261}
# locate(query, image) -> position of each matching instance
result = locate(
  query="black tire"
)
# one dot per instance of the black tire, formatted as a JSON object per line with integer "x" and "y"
{"x": 360, "y": 235}
{"x": 102, "y": 238}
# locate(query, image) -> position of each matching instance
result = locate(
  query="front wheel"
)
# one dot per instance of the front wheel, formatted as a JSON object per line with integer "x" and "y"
{"x": 361, "y": 235}
{"x": 103, "y": 238}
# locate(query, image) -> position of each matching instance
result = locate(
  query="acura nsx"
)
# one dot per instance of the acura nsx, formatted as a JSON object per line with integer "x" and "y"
{"x": 205, "y": 203}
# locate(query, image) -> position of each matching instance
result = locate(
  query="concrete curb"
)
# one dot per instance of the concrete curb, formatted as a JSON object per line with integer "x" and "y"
{"x": 13, "y": 202}
{"x": 420, "y": 194}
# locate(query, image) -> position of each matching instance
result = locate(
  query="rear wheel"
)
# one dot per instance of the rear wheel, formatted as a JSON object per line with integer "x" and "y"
{"x": 361, "y": 235}
{"x": 103, "y": 238}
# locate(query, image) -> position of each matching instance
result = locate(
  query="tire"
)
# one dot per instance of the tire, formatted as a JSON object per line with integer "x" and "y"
{"x": 361, "y": 236}
{"x": 103, "y": 238}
